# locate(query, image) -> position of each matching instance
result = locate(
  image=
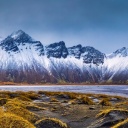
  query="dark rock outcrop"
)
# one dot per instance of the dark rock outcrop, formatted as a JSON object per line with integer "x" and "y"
{"x": 75, "y": 51}
{"x": 57, "y": 50}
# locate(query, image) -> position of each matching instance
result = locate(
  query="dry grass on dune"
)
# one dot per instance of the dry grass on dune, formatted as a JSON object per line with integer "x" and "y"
{"x": 105, "y": 102}
{"x": 30, "y": 109}
{"x": 30, "y": 95}
{"x": 53, "y": 100}
{"x": 86, "y": 100}
{"x": 82, "y": 98}
{"x": 122, "y": 124}
{"x": 18, "y": 108}
{"x": 8, "y": 120}
{"x": 107, "y": 111}
{"x": 50, "y": 122}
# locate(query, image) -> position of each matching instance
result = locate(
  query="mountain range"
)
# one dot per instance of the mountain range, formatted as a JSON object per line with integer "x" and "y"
{"x": 25, "y": 60}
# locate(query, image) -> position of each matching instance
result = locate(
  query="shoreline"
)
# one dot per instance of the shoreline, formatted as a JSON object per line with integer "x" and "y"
{"x": 66, "y": 84}
{"x": 120, "y": 90}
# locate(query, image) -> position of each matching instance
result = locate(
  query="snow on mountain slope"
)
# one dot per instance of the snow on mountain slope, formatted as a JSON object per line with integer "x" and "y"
{"x": 116, "y": 65}
{"x": 117, "y": 60}
{"x": 21, "y": 48}
{"x": 123, "y": 52}
{"x": 24, "y": 59}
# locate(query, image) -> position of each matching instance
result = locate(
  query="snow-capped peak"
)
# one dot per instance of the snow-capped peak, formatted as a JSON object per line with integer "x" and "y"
{"x": 21, "y": 36}
{"x": 16, "y": 34}
{"x": 122, "y": 52}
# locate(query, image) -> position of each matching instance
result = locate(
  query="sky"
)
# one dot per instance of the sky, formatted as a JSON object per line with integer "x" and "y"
{"x": 102, "y": 24}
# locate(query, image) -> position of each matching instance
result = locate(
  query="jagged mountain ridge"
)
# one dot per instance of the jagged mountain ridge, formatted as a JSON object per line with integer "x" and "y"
{"x": 25, "y": 60}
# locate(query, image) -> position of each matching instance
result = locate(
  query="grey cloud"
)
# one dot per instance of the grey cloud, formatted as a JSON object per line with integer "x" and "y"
{"x": 67, "y": 19}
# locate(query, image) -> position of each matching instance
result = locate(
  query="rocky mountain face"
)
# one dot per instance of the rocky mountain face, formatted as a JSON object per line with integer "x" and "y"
{"x": 57, "y": 50}
{"x": 22, "y": 59}
{"x": 89, "y": 54}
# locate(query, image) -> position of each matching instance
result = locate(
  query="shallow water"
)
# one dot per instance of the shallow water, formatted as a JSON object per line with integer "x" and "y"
{"x": 121, "y": 90}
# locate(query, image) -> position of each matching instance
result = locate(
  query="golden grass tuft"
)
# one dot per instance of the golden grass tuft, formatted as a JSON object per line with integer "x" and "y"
{"x": 34, "y": 107}
{"x": 1, "y": 110}
{"x": 70, "y": 95}
{"x": 105, "y": 102}
{"x": 17, "y": 102}
{"x": 86, "y": 100}
{"x": 30, "y": 94}
{"x": 107, "y": 111}
{"x": 121, "y": 104}
{"x": 122, "y": 124}
{"x": 102, "y": 96}
{"x": 20, "y": 110}
{"x": 8, "y": 120}
{"x": 53, "y": 100}
{"x": 50, "y": 122}
{"x": 72, "y": 101}
{"x": 23, "y": 98}
{"x": 4, "y": 94}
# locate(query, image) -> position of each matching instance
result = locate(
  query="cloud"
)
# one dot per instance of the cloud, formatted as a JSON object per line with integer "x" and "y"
{"x": 75, "y": 21}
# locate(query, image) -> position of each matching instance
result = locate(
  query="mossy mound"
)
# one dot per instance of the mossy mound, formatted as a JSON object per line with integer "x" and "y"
{"x": 50, "y": 123}
{"x": 8, "y": 120}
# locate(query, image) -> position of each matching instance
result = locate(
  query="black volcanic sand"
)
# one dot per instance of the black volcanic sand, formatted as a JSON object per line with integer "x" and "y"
{"x": 66, "y": 110}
